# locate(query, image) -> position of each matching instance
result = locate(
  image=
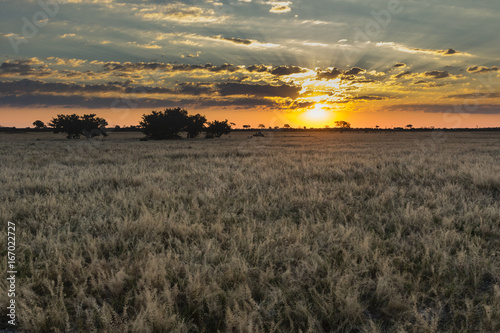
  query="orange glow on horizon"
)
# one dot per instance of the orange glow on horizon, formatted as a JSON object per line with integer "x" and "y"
{"x": 24, "y": 117}
{"x": 320, "y": 115}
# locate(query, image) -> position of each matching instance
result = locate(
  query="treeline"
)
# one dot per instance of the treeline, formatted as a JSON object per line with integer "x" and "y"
{"x": 158, "y": 125}
{"x": 167, "y": 124}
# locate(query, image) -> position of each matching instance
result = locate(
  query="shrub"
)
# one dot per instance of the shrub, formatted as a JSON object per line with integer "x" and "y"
{"x": 195, "y": 125}
{"x": 39, "y": 124}
{"x": 217, "y": 128}
{"x": 167, "y": 124}
{"x": 74, "y": 126}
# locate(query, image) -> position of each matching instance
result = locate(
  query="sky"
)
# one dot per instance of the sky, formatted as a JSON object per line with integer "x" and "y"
{"x": 384, "y": 63}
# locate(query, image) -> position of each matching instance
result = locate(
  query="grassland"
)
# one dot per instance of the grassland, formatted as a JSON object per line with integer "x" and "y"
{"x": 332, "y": 232}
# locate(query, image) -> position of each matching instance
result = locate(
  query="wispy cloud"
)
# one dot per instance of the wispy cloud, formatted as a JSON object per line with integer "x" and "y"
{"x": 280, "y": 7}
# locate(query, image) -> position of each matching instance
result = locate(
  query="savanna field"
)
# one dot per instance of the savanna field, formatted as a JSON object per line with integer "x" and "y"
{"x": 293, "y": 232}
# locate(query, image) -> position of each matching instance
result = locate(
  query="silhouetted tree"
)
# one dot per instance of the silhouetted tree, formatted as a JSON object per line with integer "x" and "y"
{"x": 195, "y": 125}
{"x": 409, "y": 126}
{"x": 216, "y": 129}
{"x": 69, "y": 124}
{"x": 286, "y": 126}
{"x": 262, "y": 126}
{"x": 167, "y": 124}
{"x": 74, "y": 126}
{"x": 342, "y": 124}
{"x": 93, "y": 126}
{"x": 246, "y": 126}
{"x": 39, "y": 124}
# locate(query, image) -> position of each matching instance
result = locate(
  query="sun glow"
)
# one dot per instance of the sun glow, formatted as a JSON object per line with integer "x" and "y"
{"x": 318, "y": 116}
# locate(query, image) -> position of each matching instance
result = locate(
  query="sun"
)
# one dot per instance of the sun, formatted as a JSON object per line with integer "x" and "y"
{"x": 319, "y": 116}
{"x": 318, "y": 113}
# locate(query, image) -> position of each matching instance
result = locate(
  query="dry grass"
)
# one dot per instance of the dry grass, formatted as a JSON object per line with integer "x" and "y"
{"x": 351, "y": 232}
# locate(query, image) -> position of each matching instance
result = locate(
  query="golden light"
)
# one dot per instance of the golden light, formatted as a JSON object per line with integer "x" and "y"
{"x": 318, "y": 113}
{"x": 319, "y": 116}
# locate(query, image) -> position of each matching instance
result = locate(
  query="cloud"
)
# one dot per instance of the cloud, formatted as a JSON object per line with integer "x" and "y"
{"x": 287, "y": 70}
{"x": 329, "y": 74}
{"x": 437, "y": 74}
{"x": 334, "y": 73}
{"x": 447, "y": 108}
{"x": 481, "y": 69}
{"x": 475, "y": 95}
{"x": 404, "y": 48}
{"x": 280, "y": 7}
{"x": 399, "y": 65}
{"x": 448, "y": 52}
{"x": 68, "y": 62}
{"x": 191, "y": 55}
{"x": 195, "y": 89}
{"x": 167, "y": 67}
{"x": 99, "y": 83}
{"x": 257, "y": 68}
{"x": 354, "y": 71}
{"x": 77, "y": 101}
{"x": 27, "y": 86}
{"x": 145, "y": 46}
{"x": 235, "y": 40}
{"x": 369, "y": 97}
{"x": 68, "y": 36}
{"x": 23, "y": 67}
{"x": 238, "y": 103}
{"x": 300, "y": 104}
{"x": 262, "y": 90}
{"x": 402, "y": 74}
{"x": 242, "y": 41}
{"x": 179, "y": 12}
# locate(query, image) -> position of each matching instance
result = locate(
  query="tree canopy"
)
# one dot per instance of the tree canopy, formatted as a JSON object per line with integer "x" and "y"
{"x": 74, "y": 125}
{"x": 218, "y": 128}
{"x": 166, "y": 124}
{"x": 169, "y": 123}
{"x": 39, "y": 124}
{"x": 342, "y": 124}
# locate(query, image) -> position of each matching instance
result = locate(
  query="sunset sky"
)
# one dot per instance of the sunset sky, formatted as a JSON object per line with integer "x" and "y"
{"x": 305, "y": 63}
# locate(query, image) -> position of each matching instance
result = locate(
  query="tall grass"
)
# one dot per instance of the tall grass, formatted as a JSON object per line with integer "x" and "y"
{"x": 335, "y": 232}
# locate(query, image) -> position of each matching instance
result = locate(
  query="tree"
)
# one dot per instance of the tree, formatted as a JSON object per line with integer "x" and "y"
{"x": 377, "y": 126}
{"x": 286, "y": 126}
{"x": 93, "y": 125}
{"x": 167, "y": 124}
{"x": 217, "y": 128}
{"x": 74, "y": 126}
{"x": 342, "y": 124}
{"x": 39, "y": 124}
{"x": 409, "y": 126}
{"x": 246, "y": 126}
{"x": 195, "y": 125}
{"x": 69, "y": 124}
{"x": 262, "y": 126}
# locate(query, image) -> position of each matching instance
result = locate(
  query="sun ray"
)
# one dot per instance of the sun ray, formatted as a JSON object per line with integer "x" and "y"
{"x": 320, "y": 115}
